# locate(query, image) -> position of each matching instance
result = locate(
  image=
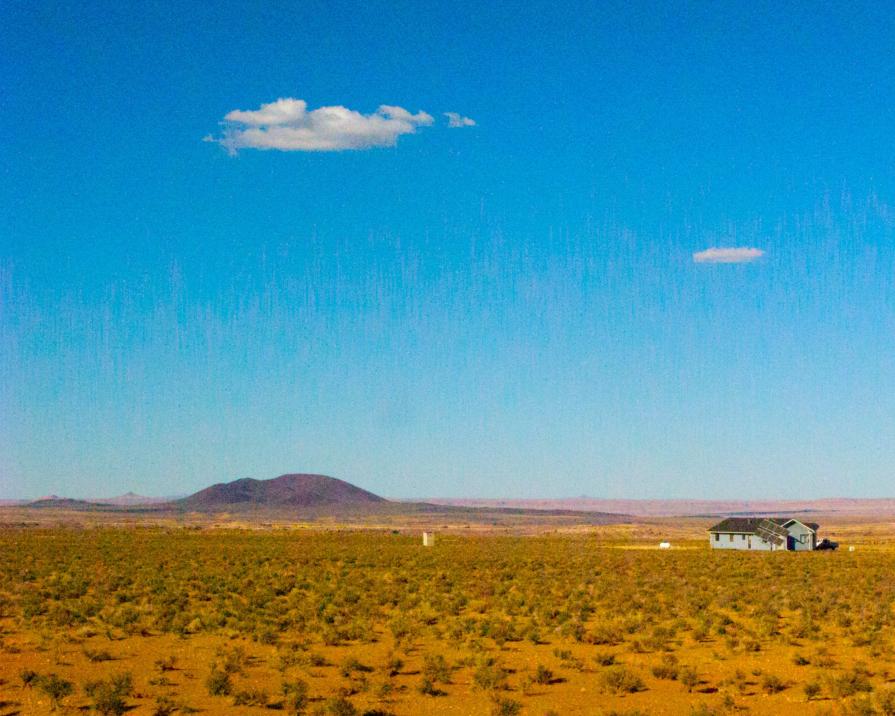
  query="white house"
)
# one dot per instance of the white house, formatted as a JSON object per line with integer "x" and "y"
{"x": 764, "y": 533}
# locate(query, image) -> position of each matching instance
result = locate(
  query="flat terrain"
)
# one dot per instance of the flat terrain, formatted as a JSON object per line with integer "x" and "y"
{"x": 860, "y": 507}
{"x": 218, "y": 618}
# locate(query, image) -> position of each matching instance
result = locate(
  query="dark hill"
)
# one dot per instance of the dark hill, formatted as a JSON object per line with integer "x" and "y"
{"x": 283, "y": 491}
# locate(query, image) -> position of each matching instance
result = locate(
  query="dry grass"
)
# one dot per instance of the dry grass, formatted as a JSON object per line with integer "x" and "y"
{"x": 165, "y": 621}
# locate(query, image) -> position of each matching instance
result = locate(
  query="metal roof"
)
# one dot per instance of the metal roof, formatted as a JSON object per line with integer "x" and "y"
{"x": 750, "y": 525}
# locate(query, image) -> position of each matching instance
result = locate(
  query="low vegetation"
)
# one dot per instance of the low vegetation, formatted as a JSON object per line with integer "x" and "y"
{"x": 153, "y": 621}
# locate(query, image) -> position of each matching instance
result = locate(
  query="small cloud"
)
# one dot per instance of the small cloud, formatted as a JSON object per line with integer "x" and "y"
{"x": 727, "y": 255}
{"x": 458, "y": 120}
{"x": 287, "y": 125}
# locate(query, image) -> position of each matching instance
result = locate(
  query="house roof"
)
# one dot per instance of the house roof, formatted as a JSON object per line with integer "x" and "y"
{"x": 748, "y": 525}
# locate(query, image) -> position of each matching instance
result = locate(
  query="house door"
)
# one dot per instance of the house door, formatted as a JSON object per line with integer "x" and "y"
{"x": 749, "y": 543}
{"x": 790, "y": 542}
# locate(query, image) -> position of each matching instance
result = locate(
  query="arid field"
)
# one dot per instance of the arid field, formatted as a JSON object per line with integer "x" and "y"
{"x": 164, "y": 620}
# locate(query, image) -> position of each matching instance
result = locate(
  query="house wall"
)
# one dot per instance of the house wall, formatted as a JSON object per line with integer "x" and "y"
{"x": 803, "y": 537}
{"x": 752, "y": 543}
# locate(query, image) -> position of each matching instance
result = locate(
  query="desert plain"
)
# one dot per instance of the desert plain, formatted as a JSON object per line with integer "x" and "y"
{"x": 510, "y": 612}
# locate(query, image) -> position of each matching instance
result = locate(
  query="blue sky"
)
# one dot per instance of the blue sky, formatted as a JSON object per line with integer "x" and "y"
{"x": 506, "y": 309}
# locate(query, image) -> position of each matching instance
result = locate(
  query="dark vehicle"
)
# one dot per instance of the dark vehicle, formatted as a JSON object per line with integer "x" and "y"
{"x": 827, "y": 544}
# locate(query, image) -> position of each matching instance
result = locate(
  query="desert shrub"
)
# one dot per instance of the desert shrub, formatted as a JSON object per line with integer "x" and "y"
{"x": 267, "y": 636}
{"x": 340, "y": 706}
{"x": 688, "y": 677}
{"x": 393, "y": 665}
{"x": 98, "y": 655}
{"x": 32, "y": 605}
{"x": 110, "y": 696}
{"x": 351, "y": 666}
{"x": 543, "y": 675}
{"x": 384, "y": 690}
{"x": 490, "y": 676}
{"x": 164, "y": 706}
{"x": 218, "y": 683}
{"x": 250, "y": 697}
{"x": 28, "y": 677}
{"x": 427, "y": 688}
{"x": 436, "y": 669}
{"x": 849, "y": 683}
{"x": 168, "y": 663}
{"x": 812, "y": 690}
{"x": 108, "y": 703}
{"x": 772, "y": 684}
{"x": 295, "y": 696}
{"x": 357, "y": 684}
{"x": 55, "y": 687}
{"x": 402, "y": 628}
{"x": 604, "y": 633}
{"x": 161, "y": 681}
{"x": 638, "y": 647}
{"x": 533, "y": 634}
{"x": 700, "y": 632}
{"x": 619, "y": 680}
{"x": 859, "y": 706}
{"x": 704, "y": 709}
{"x": 505, "y": 707}
{"x": 526, "y": 685}
{"x": 232, "y": 661}
{"x": 604, "y": 658}
{"x": 668, "y": 669}
{"x": 885, "y": 700}
{"x": 331, "y": 636}
{"x": 568, "y": 659}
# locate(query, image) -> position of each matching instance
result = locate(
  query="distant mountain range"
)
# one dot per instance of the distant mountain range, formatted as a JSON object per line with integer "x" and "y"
{"x": 682, "y": 508}
{"x": 293, "y": 491}
{"x": 313, "y": 494}
{"x": 132, "y": 498}
{"x": 129, "y": 499}
{"x": 306, "y": 495}
{"x": 65, "y": 503}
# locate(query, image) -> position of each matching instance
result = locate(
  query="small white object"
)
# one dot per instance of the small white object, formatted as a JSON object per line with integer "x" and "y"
{"x": 428, "y": 539}
{"x": 851, "y": 548}
{"x": 664, "y": 545}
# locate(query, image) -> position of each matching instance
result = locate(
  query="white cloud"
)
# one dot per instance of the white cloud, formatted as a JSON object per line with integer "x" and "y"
{"x": 283, "y": 111}
{"x": 728, "y": 255}
{"x": 458, "y": 120}
{"x": 287, "y": 125}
